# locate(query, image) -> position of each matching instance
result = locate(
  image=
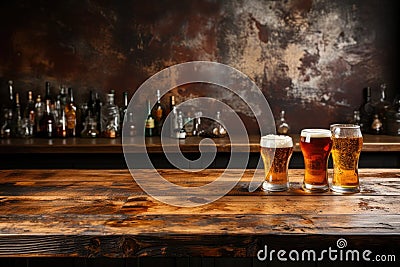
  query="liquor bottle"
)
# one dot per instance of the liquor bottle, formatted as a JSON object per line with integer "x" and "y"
{"x": 124, "y": 108}
{"x": 149, "y": 125}
{"x": 90, "y": 127}
{"x": 282, "y": 126}
{"x": 70, "y": 114}
{"x": 9, "y": 104}
{"x": 30, "y": 115}
{"x": 376, "y": 126}
{"x": 130, "y": 128}
{"x": 218, "y": 130}
{"x": 366, "y": 111}
{"x": 61, "y": 124}
{"x": 198, "y": 127}
{"x": 189, "y": 125}
{"x": 181, "y": 129}
{"x": 97, "y": 111}
{"x": 17, "y": 123}
{"x": 158, "y": 113}
{"x": 47, "y": 122}
{"x": 39, "y": 110}
{"x": 110, "y": 119}
{"x": 6, "y": 130}
{"x": 382, "y": 106}
{"x": 173, "y": 127}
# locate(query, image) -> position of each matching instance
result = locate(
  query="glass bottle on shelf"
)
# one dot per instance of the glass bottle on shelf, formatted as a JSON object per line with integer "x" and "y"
{"x": 130, "y": 127}
{"x": 17, "y": 123}
{"x": 282, "y": 127}
{"x": 218, "y": 130}
{"x": 61, "y": 124}
{"x": 71, "y": 114}
{"x": 6, "y": 130}
{"x": 376, "y": 126}
{"x": 30, "y": 116}
{"x": 198, "y": 127}
{"x": 47, "y": 122}
{"x": 382, "y": 106}
{"x": 366, "y": 111}
{"x": 174, "y": 126}
{"x": 97, "y": 110}
{"x": 158, "y": 112}
{"x": 189, "y": 124}
{"x": 8, "y": 107}
{"x": 124, "y": 108}
{"x": 110, "y": 119}
{"x": 90, "y": 127}
{"x": 181, "y": 130}
{"x": 39, "y": 110}
{"x": 149, "y": 125}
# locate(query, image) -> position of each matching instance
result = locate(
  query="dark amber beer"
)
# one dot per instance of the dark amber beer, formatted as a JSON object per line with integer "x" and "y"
{"x": 316, "y": 145}
{"x": 278, "y": 149}
{"x": 347, "y": 144}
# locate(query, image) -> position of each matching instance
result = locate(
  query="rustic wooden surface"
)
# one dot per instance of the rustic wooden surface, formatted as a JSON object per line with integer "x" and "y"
{"x": 372, "y": 143}
{"x": 94, "y": 213}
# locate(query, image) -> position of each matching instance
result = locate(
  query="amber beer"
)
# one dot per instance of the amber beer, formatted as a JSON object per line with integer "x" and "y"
{"x": 277, "y": 149}
{"x": 316, "y": 145}
{"x": 347, "y": 144}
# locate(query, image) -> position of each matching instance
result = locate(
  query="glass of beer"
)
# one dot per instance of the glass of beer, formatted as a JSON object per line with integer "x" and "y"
{"x": 316, "y": 145}
{"x": 347, "y": 143}
{"x": 278, "y": 149}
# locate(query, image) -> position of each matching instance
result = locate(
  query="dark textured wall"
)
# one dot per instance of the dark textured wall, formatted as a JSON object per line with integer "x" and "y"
{"x": 309, "y": 57}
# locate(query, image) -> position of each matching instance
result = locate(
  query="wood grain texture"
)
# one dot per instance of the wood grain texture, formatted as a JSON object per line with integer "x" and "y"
{"x": 96, "y": 213}
{"x": 372, "y": 143}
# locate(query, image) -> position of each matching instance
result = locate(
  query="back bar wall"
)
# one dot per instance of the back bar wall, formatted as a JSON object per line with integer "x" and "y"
{"x": 309, "y": 57}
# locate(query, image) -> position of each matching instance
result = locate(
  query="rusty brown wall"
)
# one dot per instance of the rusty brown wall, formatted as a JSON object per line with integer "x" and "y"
{"x": 310, "y": 57}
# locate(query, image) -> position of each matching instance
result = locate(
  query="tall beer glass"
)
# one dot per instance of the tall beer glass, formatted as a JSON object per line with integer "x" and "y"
{"x": 279, "y": 147}
{"x": 316, "y": 145}
{"x": 347, "y": 143}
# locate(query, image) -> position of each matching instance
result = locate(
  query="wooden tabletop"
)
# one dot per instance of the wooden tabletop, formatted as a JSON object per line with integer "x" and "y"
{"x": 372, "y": 143}
{"x": 95, "y": 213}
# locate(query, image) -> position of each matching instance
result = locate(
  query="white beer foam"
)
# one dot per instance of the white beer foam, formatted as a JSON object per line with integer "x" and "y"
{"x": 315, "y": 133}
{"x": 276, "y": 141}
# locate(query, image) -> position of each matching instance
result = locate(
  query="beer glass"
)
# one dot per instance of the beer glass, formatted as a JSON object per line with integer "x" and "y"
{"x": 316, "y": 145}
{"x": 279, "y": 148}
{"x": 347, "y": 143}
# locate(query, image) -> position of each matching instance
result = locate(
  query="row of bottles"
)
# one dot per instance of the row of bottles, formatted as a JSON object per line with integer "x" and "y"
{"x": 60, "y": 116}
{"x": 379, "y": 117}
{"x": 180, "y": 125}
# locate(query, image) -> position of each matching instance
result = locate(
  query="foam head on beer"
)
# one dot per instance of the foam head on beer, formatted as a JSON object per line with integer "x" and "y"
{"x": 315, "y": 133}
{"x": 276, "y": 141}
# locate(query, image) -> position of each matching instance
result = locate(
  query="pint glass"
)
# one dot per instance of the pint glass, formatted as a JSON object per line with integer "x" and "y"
{"x": 347, "y": 143}
{"x": 279, "y": 147}
{"x": 316, "y": 145}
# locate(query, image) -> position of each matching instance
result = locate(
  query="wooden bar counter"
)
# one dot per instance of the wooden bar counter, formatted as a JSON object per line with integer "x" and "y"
{"x": 372, "y": 143}
{"x": 104, "y": 213}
